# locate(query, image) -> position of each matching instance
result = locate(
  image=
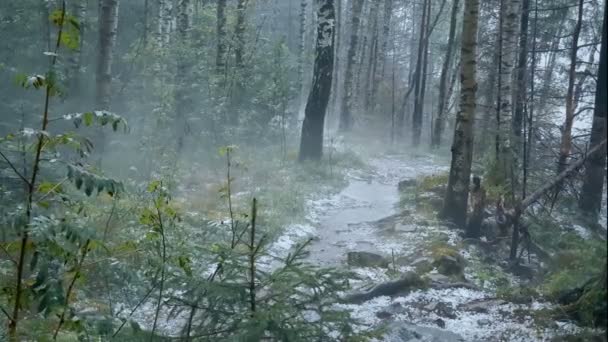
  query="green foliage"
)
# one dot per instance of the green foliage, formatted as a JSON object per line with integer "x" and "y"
{"x": 90, "y": 182}
{"x": 100, "y": 117}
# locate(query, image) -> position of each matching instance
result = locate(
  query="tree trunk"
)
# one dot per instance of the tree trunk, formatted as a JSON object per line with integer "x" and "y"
{"x": 595, "y": 166}
{"x": 455, "y": 203}
{"x": 311, "y": 145}
{"x": 79, "y": 10}
{"x": 522, "y": 66}
{"x": 443, "y": 81}
{"x": 566, "y": 141}
{"x": 108, "y": 24}
{"x": 417, "y": 114}
{"x": 239, "y": 32}
{"x": 386, "y": 29}
{"x": 507, "y": 61}
{"x": 346, "y": 116}
{"x": 220, "y": 59}
{"x": 165, "y": 22}
{"x": 182, "y": 98}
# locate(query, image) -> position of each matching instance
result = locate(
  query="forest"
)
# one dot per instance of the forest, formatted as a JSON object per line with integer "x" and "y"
{"x": 303, "y": 170}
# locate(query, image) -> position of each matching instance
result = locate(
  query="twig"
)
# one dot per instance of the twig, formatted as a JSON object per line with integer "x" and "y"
{"x": 14, "y": 169}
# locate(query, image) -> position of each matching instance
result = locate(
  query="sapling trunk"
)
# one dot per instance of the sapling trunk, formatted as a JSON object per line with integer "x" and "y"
{"x": 31, "y": 190}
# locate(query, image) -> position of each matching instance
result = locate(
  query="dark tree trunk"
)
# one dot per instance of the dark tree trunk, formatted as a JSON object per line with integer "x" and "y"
{"x": 595, "y": 166}
{"x": 439, "y": 123}
{"x": 346, "y": 116}
{"x": 417, "y": 114}
{"x": 311, "y": 146}
{"x": 455, "y": 203}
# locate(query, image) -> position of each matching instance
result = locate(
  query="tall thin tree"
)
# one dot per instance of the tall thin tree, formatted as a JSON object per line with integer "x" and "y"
{"x": 595, "y": 165}
{"x": 456, "y": 197}
{"x": 311, "y": 145}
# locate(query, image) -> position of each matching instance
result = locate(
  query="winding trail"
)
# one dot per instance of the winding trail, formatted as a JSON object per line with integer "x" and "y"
{"x": 369, "y": 216}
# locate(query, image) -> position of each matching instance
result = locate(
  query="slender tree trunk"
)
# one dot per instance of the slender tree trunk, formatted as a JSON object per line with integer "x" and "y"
{"x": 372, "y": 56}
{"x": 507, "y": 61}
{"x": 220, "y": 59}
{"x": 595, "y": 166}
{"x": 386, "y": 29}
{"x": 239, "y": 32}
{"x": 418, "y": 75}
{"x": 455, "y": 203}
{"x": 522, "y": 62}
{"x": 79, "y": 10}
{"x": 443, "y": 81}
{"x": 165, "y": 22}
{"x": 346, "y": 116}
{"x": 566, "y": 141}
{"x": 182, "y": 98}
{"x": 311, "y": 146}
{"x": 108, "y": 25}
{"x": 302, "y": 52}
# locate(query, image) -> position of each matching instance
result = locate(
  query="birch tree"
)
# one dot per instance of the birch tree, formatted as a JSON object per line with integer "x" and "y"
{"x": 455, "y": 202}
{"x": 311, "y": 145}
{"x": 108, "y": 25}
{"x": 346, "y": 116}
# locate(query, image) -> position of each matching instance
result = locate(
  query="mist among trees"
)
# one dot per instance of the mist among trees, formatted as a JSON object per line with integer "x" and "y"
{"x": 303, "y": 170}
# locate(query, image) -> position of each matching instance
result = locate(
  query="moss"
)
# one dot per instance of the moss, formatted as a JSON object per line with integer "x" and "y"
{"x": 432, "y": 183}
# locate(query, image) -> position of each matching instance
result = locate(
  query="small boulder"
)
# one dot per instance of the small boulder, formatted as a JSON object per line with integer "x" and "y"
{"x": 406, "y": 183}
{"x": 481, "y": 306}
{"x": 366, "y": 259}
{"x": 450, "y": 265}
{"x": 483, "y": 322}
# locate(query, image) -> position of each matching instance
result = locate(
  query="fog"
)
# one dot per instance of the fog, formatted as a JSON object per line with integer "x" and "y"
{"x": 299, "y": 170}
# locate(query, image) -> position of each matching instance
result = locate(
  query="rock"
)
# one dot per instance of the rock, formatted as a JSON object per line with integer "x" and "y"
{"x": 407, "y": 332}
{"x": 441, "y": 309}
{"x": 450, "y": 265}
{"x": 406, "y": 183}
{"x": 405, "y": 228}
{"x": 438, "y": 278}
{"x": 483, "y": 322}
{"x": 422, "y": 265}
{"x": 384, "y": 315}
{"x": 440, "y": 323}
{"x": 366, "y": 259}
{"x": 410, "y": 281}
{"x": 481, "y": 306}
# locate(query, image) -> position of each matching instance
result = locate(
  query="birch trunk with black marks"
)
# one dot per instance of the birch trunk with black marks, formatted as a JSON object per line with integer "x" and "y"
{"x": 346, "y": 116}
{"x": 311, "y": 145}
{"x": 165, "y": 22}
{"x": 510, "y": 15}
{"x": 455, "y": 202}
{"x": 108, "y": 25}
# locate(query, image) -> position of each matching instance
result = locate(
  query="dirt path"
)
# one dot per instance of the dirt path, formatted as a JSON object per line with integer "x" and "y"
{"x": 349, "y": 222}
